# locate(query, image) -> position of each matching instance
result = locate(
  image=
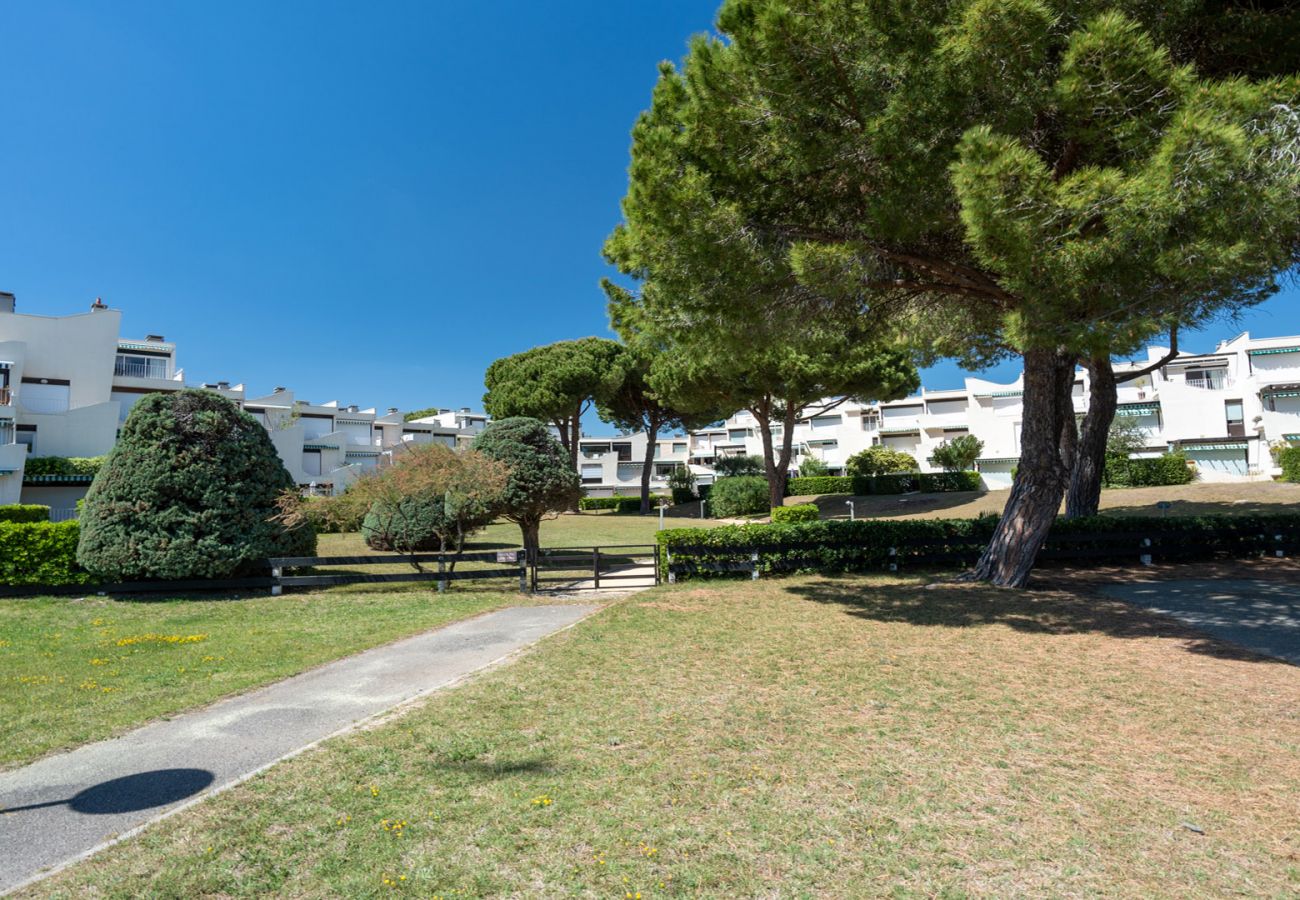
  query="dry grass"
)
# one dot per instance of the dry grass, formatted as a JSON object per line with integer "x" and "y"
{"x": 1187, "y": 500}
{"x": 828, "y": 737}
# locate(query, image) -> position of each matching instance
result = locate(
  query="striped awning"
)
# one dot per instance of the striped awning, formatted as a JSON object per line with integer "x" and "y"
{"x": 1235, "y": 445}
{"x": 319, "y": 447}
{"x": 914, "y": 429}
{"x": 1137, "y": 409}
{"x": 127, "y": 345}
{"x": 998, "y": 460}
{"x": 1291, "y": 437}
{"x": 1007, "y": 394}
{"x": 1270, "y": 351}
{"x": 1279, "y": 394}
{"x": 354, "y": 422}
{"x": 363, "y": 453}
{"x": 5, "y": 364}
{"x": 58, "y": 479}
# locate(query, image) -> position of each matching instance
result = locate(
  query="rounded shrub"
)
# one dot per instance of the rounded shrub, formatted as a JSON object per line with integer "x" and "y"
{"x": 541, "y": 478}
{"x": 189, "y": 491}
{"x": 880, "y": 461}
{"x": 413, "y": 524}
{"x": 1289, "y": 459}
{"x": 740, "y": 496}
{"x": 800, "y": 512}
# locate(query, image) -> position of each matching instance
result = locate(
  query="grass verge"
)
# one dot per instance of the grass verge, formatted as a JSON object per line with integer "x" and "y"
{"x": 77, "y": 670}
{"x": 801, "y": 737}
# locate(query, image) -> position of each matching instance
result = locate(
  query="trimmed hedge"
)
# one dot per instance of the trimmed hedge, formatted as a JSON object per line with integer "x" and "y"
{"x": 24, "y": 512}
{"x": 617, "y": 503}
{"x": 1166, "y": 469}
{"x": 43, "y": 553}
{"x": 682, "y": 495}
{"x": 800, "y": 512}
{"x": 836, "y": 545}
{"x": 63, "y": 465}
{"x": 902, "y": 483}
{"x": 1289, "y": 459}
{"x": 739, "y": 496}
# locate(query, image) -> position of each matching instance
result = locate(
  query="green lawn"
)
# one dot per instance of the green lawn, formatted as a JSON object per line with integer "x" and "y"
{"x": 77, "y": 670}
{"x": 803, "y": 737}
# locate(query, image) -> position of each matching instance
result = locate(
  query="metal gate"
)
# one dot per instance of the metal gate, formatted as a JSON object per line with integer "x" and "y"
{"x": 609, "y": 567}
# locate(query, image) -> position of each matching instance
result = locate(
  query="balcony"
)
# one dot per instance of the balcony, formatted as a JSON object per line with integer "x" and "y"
{"x": 6, "y": 396}
{"x": 1208, "y": 380}
{"x": 141, "y": 367}
{"x": 43, "y": 406}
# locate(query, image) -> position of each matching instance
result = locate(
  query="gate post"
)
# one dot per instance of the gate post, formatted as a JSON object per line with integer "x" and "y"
{"x": 442, "y": 582}
{"x": 522, "y": 558}
{"x": 668, "y": 564}
{"x": 1145, "y": 558}
{"x": 277, "y": 588}
{"x": 893, "y": 559}
{"x": 595, "y": 567}
{"x": 1279, "y": 552}
{"x": 753, "y": 566}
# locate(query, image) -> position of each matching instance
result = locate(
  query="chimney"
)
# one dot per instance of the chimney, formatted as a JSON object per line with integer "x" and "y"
{"x": 155, "y": 338}
{"x": 465, "y": 410}
{"x": 7, "y": 302}
{"x": 224, "y": 385}
{"x": 353, "y": 408}
{"x": 278, "y": 390}
{"x": 392, "y": 410}
{"x": 98, "y": 305}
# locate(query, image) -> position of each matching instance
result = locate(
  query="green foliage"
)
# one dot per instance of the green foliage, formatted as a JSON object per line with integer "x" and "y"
{"x": 421, "y": 413}
{"x": 189, "y": 491}
{"x": 616, "y": 503}
{"x": 880, "y": 460}
{"x": 896, "y": 483}
{"x": 423, "y": 522}
{"x": 682, "y": 485}
{"x": 1168, "y": 468}
{"x": 40, "y": 553}
{"x": 1289, "y": 459}
{"x": 1126, "y": 437}
{"x": 732, "y": 466}
{"x": 812, "y": 467}
{"x": 740, "y": 496}
{"x": 800, "y": 512}
{"x": 24, "y": 512}
{"x": 959, "y": 454}
{"x": 836, "y": 545}
{"x": 554, "y": 383}
{"x": 314, "y": 512}
{"x": 63, "y": 465}
{"x": 541, "y": 479}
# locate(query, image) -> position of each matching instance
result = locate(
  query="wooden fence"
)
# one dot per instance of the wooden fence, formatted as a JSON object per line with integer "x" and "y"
{"x": 516, "y": 559}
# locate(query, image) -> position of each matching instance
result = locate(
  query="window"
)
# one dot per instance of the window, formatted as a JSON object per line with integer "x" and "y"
{"x": 1236, "y": 418}
{"x": 26, "y": 434}
{"x": 737, "y": 435}
{"x": 315, "y": 426}
{"x": 1207, "y": 379}
{"x": 679, "y": 446}
{"x": 825, "y": 423}
{"x": 311, "y": 462}
{"x": 658, "y": 450}
{"x": 624, "y": 452}
{"x": 140, "y": 366}
{"x": 593, "y": 473}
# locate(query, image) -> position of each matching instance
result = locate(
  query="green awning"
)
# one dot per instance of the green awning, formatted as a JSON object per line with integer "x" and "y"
{"x": 1191, "y": 448}
{"x": 1270, "y": 351}
{"x": 58, "y": 479}
{"x": 1137, "y": 409}
{"x": 915, "y": 429}
{"x": 1275, "y": 394}
{"x": 1291, "y": 437}
{"x": 998, "y": 460}
{"x": 126, "y": 345}
{"x": 7, "y": 471}
{"x": 1007, "y": 394}
{"x": 319, "y": 447}
{"x": 363, "y": 453}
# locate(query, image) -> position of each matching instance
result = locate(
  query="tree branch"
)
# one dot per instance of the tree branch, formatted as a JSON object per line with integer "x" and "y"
{"x": 1167, "y": 358}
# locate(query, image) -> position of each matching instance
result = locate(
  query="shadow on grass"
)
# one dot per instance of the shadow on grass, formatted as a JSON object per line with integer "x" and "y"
{"x": 1207, "y": 508}
{"x": 1034, "y": 612}
{"x": 835, "y": 506}
{"x": 490, "y": 769}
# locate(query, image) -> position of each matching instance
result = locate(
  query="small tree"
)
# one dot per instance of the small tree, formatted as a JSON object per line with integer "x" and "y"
{"x": 812, "y": 467}
{"x": 959, "y": 454}
{"x": 880, "y": 461}
{"x": 729, "y": 466}
{"x": 682, "y": 484}
{"x": 189, "y": 491}
{"x": 541, "y": 480}
{"x": 430, "y": 498}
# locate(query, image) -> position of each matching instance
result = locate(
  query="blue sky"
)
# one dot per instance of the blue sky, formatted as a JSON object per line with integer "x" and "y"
{"x": 364, "y": 202}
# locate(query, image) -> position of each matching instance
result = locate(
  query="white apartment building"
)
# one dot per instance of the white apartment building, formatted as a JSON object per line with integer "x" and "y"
{"x": 613, "y": 465}
{"x": 68, "y": 382}
{"x": 1222, "y": 409}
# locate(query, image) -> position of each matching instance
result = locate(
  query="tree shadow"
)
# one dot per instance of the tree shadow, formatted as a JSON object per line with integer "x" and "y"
{"x": 835, "y": 506}
{"x": 1207, "y": 508}
{"x": 487, "y": 769}
{"x": 955, "y": 605}
{"x": 132, "y": 793}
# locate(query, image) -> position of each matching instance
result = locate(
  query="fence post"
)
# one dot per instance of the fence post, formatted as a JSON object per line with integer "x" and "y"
{"x": 753, "y": 566}
{"x": 442, "y": 570}
{"x": 658, "y": 553}
{"x": 1279, "y": 552}
{"x": 668, "y": 564}
{"x": 595, "y": 566}
{"x": 522, "y": 558}
{"x": 277, "y": 588}
{"x": 893, "y": 559}
{"x": 1145, "y": 558}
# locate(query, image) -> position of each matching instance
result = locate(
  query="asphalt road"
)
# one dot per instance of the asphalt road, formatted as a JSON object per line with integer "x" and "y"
{"x": 64, "y": 807}
{"x": 1261, "y": 616}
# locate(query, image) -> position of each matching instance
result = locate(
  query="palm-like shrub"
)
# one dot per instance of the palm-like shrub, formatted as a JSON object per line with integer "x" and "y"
{"x": 188, "y": 492}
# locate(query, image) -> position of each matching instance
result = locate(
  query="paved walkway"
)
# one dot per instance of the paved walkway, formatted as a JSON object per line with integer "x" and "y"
{"x": 1262, "y": 616}
{"x": 64, "y": 807}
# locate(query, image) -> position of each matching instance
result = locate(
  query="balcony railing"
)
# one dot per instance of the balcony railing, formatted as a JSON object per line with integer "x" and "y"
{"x": 140, "y": 367}
{"x": 1213, "y": 380}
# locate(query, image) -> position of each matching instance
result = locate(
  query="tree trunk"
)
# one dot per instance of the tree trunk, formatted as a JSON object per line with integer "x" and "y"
{"x": 531, "y": 530}
{"x": 1041, "y": 475}
{"x": 775, "y": 480}
{"x": 575, "y": 439}
{"x": 647, "y": 466}
{"x": 1084, "y": 495}
{"x": 787, "y": 451}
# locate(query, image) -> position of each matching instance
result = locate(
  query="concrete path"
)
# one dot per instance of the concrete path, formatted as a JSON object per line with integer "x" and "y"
{"x": 1262, "y": 616}
{"x": 62, "y": 808}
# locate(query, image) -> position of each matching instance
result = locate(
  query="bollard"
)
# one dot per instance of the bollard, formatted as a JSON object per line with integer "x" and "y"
{"x": 753, "y": 566}
{"x": 1145, "y": 558}
{"x": 668, "y": 557}
{"x": 442, "y": 582}
{"x": 276, "y": 589}
{"x": 893, "y": 559}
{"x": 702, "y": 502}
{"x": 852, "y": 510}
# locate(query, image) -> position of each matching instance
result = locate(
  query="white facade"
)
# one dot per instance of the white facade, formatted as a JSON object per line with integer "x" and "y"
{"x": 613, "y": 465}
{"x": 1222, "y": 409}
{"x": 68, "y": 382}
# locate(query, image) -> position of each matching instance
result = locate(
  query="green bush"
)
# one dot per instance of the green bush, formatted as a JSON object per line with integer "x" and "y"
{"x": 188, "y": 492}
{"x": 739, "y": 496}
{"x": 736, "y": 466}
{"x": 63, "y": 465}
{"x": 836, "y": 545}
{"x": 40, "y": 553}
{"x": 682, "y": 495}
{"x": 24, "y": 512}
{"x": 812, "y": 467}
{"x": 800, "y": 512}
{"x": 900, "y": 483}
{"x": 331, "y": 524}
{"x": 880, "y": 461}
{"x": 414, "y": 526}
{"x": 1289, "y": 459}
{"x": 1166, "y": 469}
{"x": 824, "y": 484}
{"x": 616, "y": 503}
{"x": 541, "y": 480}
{"x": 958, "y": 454}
